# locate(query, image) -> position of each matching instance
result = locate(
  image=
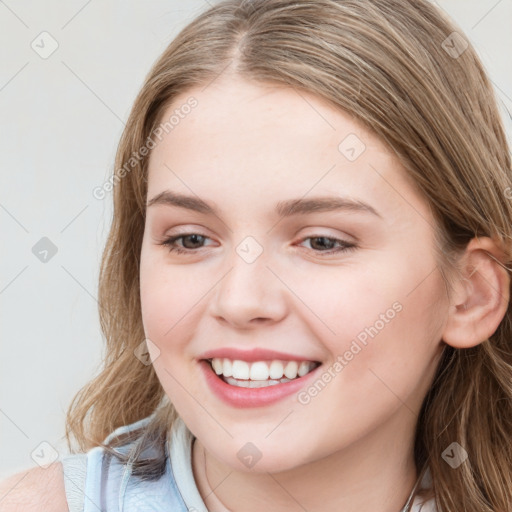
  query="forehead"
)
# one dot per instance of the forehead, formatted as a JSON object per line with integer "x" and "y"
{"x": 256, "y": 111}
{"x": 234, "y": 118}
{"x": 270, "y": 140}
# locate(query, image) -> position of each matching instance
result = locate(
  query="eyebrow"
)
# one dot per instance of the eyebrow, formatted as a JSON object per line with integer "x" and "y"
{"x": 283, "y": 208}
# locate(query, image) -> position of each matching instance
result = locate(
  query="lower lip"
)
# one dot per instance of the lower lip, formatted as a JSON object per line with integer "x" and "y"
{"x": 252, "y": 397}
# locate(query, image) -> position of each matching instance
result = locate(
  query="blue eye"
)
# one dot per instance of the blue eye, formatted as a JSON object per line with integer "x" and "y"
{"x": 345, "y": 246}
{"x": 326, "y": 242}
{"x": 171, "y": 243}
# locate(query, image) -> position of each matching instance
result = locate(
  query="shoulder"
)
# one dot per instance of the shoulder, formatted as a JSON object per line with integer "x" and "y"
{"x": 34, "y": 490}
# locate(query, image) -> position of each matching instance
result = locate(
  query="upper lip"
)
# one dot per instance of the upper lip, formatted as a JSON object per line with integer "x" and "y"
{"x": 256, "y": 354}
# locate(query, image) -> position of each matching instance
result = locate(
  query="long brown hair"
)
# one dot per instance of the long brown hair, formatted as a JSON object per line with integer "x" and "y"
{"x": 407, "y": 72}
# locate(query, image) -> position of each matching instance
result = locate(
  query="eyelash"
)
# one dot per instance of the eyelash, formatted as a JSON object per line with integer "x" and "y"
{"x": 170, "y": 244}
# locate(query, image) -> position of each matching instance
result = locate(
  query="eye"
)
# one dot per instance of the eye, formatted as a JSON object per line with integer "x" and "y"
{"x": 321, "y": 244}
{"x": 325, "y": 242}
{"x": 194, "y": 237}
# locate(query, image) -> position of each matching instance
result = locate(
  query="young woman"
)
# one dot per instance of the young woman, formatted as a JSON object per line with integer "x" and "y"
{"x": 306, "y": 288}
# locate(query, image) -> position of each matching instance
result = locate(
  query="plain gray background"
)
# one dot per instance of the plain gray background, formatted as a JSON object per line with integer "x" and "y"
{"x": 61, "y": 119}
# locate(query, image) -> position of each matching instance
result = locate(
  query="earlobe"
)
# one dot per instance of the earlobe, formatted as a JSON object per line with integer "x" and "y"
{"x": 482, "y": 295}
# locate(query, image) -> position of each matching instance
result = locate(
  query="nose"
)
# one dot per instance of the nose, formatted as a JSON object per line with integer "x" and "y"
{"x": 249, "y": 294}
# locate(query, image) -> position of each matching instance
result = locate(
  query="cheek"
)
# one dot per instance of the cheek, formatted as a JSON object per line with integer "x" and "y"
{"x": 163, "y": 292}
{"x": 387, "y": 316}
{"x": 343, "y": 302}
{"x": 167, "y": 306}
{"x": 158, "y": 305}
{"x": 383, "y": 350}
{"x": 172, "y": 297}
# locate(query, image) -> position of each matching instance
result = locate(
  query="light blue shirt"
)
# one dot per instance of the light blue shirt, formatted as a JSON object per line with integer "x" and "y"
{"x": 176, "y": 490}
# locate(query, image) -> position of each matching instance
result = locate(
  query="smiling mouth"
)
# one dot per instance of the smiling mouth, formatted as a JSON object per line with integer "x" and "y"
{"x": 306, "y": 368}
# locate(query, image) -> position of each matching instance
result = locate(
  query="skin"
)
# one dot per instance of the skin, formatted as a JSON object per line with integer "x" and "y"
{"x": 244, "y": 148}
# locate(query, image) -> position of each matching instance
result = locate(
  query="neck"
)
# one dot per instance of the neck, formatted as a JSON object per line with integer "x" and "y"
{"x": 375, "y": 473}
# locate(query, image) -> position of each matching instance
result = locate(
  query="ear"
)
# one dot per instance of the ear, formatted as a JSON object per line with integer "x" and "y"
{"x": 481, "y": 298}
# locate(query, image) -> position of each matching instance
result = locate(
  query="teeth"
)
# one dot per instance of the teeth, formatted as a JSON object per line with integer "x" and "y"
{"x": 227, "y": 370}
{"x": 260, "y": 370}
{"x": 255, "y": 383}
{"x": 291, "y": 370}
{"x": 240, "y": 370}
{"x": 276, "y": 370}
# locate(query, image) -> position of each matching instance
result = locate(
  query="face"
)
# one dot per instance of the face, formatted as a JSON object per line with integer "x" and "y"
{"x": 353, "y": 288}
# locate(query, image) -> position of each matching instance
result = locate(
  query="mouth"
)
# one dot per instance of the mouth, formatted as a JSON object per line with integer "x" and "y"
{"x": 261, "y": 373}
